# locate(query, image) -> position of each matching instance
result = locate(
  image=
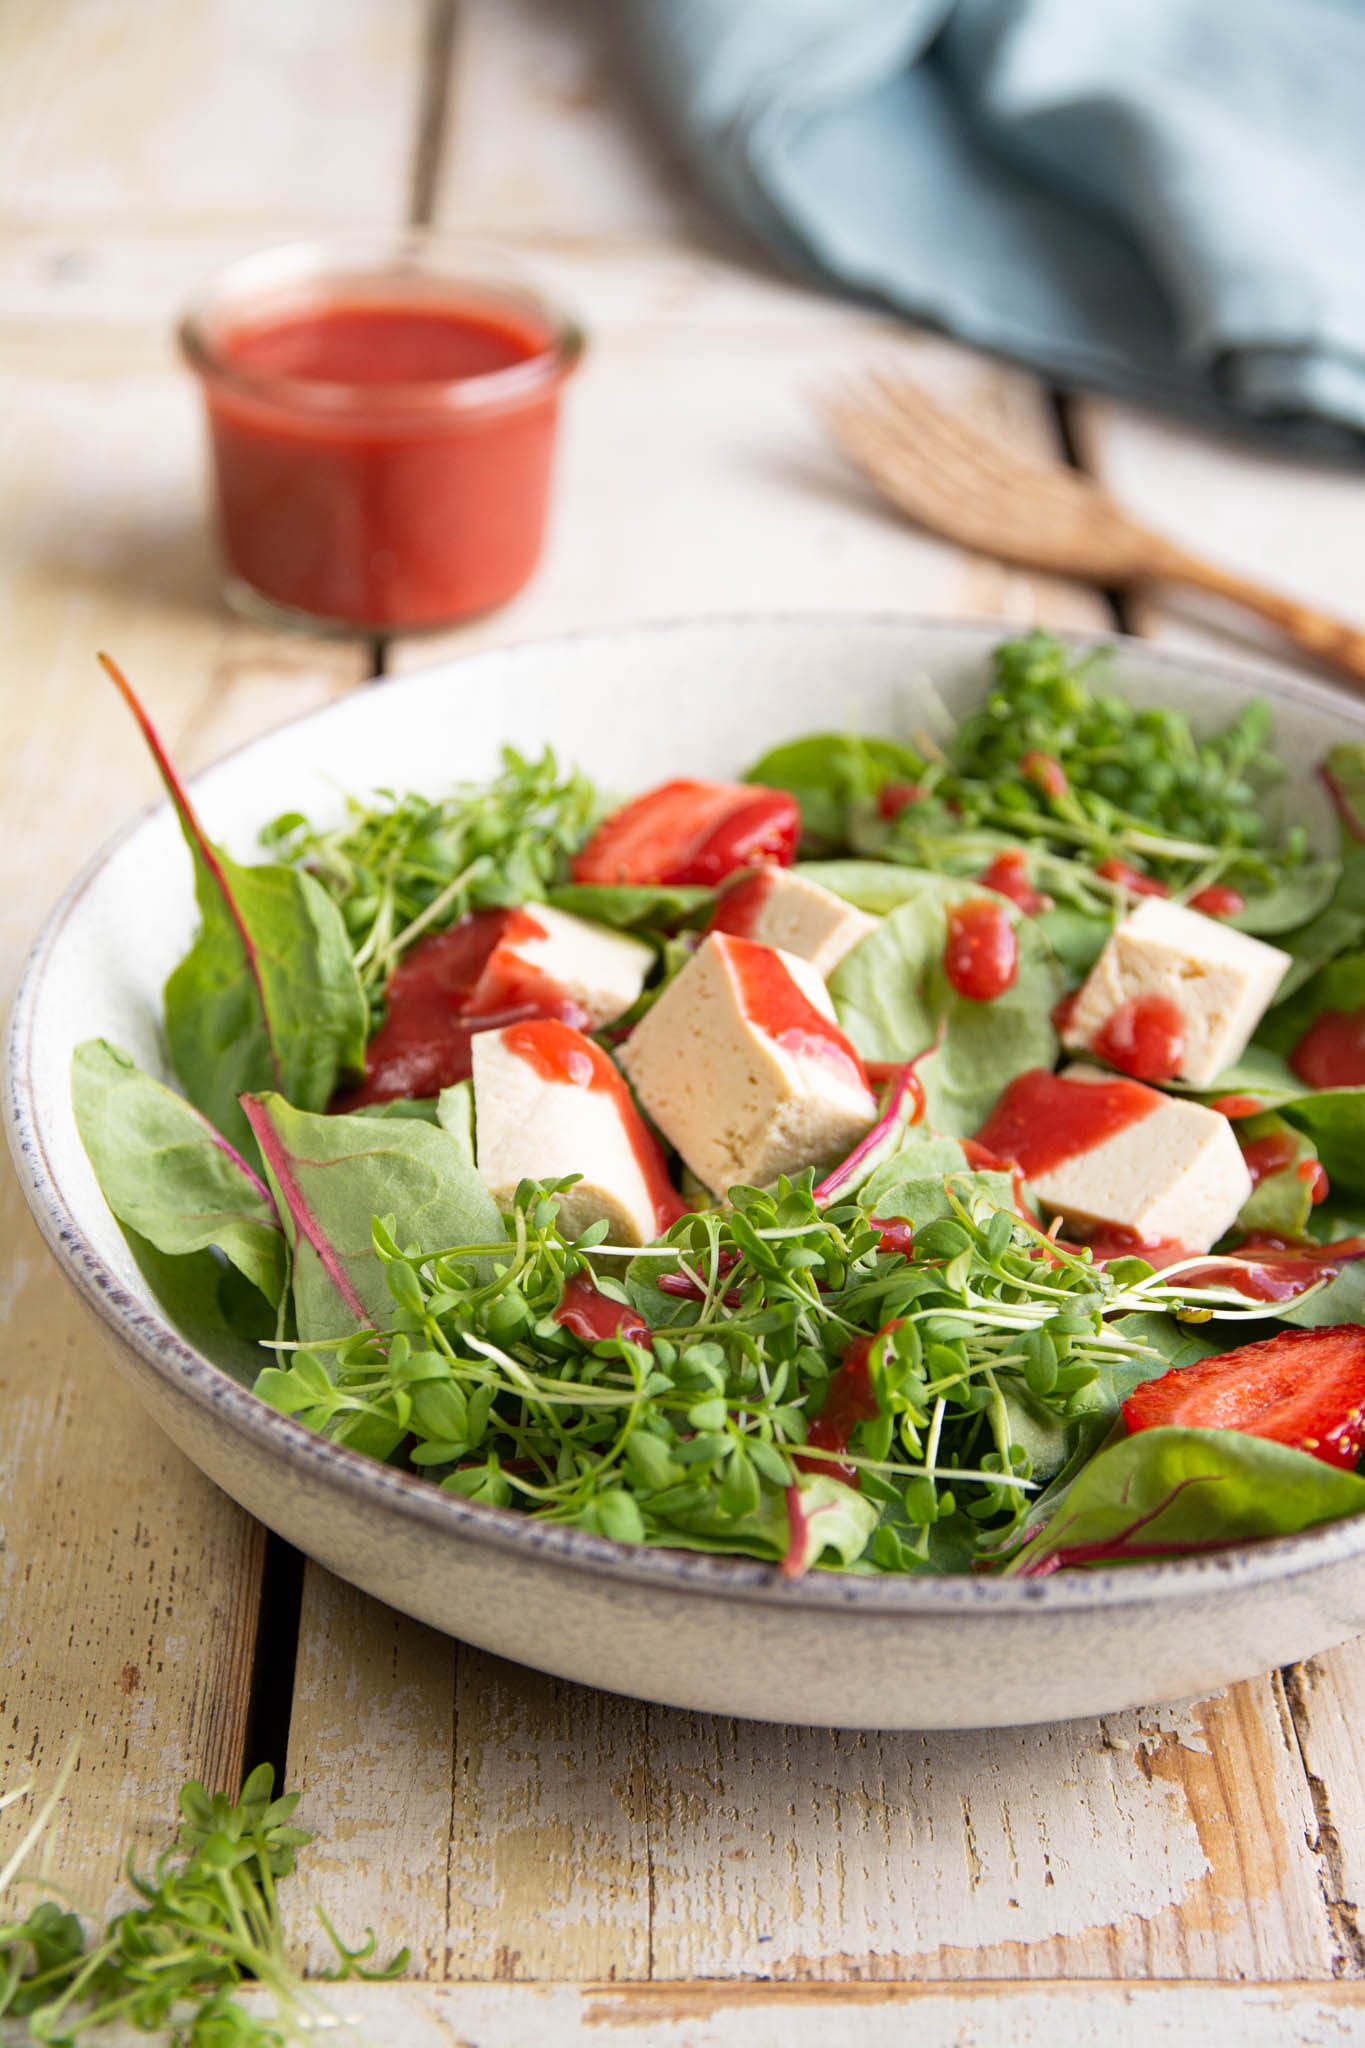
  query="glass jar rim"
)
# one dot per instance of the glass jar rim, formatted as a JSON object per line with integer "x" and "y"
{"x": 296, "y": 274}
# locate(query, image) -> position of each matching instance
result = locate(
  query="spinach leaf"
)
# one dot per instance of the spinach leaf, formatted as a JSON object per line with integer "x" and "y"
{"x": 833, "y": 776}
{"x": 455, "y": 1115}
{"x": 632, "y": 908}
{"x": 268, "y": 996}
{"x": 1338, "y": 986}
{"x": 910, "y": 1184}
{"x": 1337, "y": 928}
{"x": 1168, "y": 1492}
{"x": 333, "y": 1174}
{"x": 1076, "y": 937}
{"x": 894, "y": 1001}
{"x": 1281, "y": 1202}
{"x": 1334, "y": 1118}
{"x": 1293, "y": 897}
{"x": 167, "y": 1174}
{"x": 875, "y": 886}
{"x": 1260, "y": 1073}
{"x": 210, "y": 1303}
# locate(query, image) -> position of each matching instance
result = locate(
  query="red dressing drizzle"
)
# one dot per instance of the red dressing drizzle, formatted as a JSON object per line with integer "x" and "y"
{"x": 1144, "y": 1038}
{"x": 1271, "y": 1154}
{"x": 849, "y": 1400}
{"x": 1044, "y": 1118}
{"x": 1008, "y": 876}
{"x": 450, "y": 985}
{"x": 1044, "y": 772}
{"x": 772, "y": 1000}
{"x": 1237, "y": 1105}
{"x": 565, "y": 1057}
{"x": 981, "y": 957}
{"x": 594, "y": 1316}
{"x": 1116, "y": 870}
{"x": 741, "y": 904}
{"x": 1331, "y": 1053}
{"x": 1218, "y": 900}
{"x": 893, "y": 797}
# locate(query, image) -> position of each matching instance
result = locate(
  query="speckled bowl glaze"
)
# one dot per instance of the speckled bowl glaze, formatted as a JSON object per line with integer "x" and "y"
{"x": 717, "y": 1634}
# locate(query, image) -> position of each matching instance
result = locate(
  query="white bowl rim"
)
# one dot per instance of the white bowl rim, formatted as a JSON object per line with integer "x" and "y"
{"x": 155, "y": 1341}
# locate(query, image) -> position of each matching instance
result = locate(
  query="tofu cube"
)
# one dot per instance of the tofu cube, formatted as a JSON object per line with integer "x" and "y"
{"x": 601, "y": 970}
{"x": 777, "y": 908}
{"x": 1220, "y": 981}
{"x": 1175, "y": 1174}
{"x": 742, "y": 1067}
{"x": 549, "y": 1102}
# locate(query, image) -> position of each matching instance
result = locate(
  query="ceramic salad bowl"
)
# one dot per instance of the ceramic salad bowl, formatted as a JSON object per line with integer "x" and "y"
{"x": 704, "y": 1632}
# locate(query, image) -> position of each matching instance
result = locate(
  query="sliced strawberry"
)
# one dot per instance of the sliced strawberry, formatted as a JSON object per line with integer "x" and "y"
{"x": 1304, "y": 1388}
{"x": 692, "y": 832}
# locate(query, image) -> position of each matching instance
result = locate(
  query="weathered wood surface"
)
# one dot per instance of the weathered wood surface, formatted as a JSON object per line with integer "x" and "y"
{"x": 128, "y": 1585}
{"x": 985, "y": 2014}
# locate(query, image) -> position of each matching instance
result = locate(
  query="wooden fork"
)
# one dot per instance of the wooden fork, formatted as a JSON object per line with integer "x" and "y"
{"x": 958, "y": 482}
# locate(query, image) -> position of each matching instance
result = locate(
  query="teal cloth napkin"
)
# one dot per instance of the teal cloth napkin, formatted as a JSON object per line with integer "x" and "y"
{"x": 1162, "y": 199}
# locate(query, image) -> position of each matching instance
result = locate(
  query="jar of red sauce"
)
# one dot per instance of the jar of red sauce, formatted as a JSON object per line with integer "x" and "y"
{"x": 382, "y": 422}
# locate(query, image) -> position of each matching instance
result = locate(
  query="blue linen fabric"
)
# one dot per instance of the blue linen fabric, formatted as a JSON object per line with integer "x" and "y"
{"x": 1161, "y": 199}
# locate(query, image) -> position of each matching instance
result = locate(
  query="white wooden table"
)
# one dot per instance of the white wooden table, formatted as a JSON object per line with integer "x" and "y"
{"x": 566, "y": 1865}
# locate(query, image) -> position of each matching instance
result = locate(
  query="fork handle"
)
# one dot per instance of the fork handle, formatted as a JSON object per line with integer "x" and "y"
{"x": 1318, "y": 633}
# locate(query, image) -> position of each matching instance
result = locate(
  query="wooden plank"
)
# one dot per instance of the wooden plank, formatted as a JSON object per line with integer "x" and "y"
{"x": 978, "y": 2015}
{"x": 289, "y": 117}
{"x": 1327, "y": 1702}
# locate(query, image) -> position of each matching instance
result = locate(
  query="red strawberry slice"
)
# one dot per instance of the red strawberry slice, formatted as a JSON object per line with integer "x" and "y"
{"x": 1304, "y": 1388}
{"x": 692, "y": 832}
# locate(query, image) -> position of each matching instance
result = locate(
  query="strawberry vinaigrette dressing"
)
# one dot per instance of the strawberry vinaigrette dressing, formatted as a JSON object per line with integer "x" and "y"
{"x": 1043, "y": 1119}
{"x": 1331, "y": 1053}
{"x": 450, "y": 985}
{"x": 772, "y": 1000}
{"x": 849, "y": 1400}
{"x": 382, "y": 419}
{"x": 561, "y": 1055}
{"x": 1008, "y": 876}
{"x": 1144, "y": 1038}
{"x": 594, "y": 1316}
{"x": 981, "y": 955}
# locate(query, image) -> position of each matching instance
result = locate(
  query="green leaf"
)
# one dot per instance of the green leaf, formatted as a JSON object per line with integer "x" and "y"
{"x": 1168, "y": 1492}
{"x": 1338, "y": 986}
{"x": 894, "y": 999}
{"x": 637, "y": 908}
{"x": 267, "y": 996}
{"x": 1344, "y": 774}
{"x": 1334, "y": 1118}
{"x": 1281, "y": 1202}
{"x": 333, "y": 1174}
{"x": 910, "y": 1184}
{"x": 875, "y": 886}
{"x": 209, "y": 1302}
{"x": 1338, "y": 928}
{"x": 455, "y": 1115}
{"x": 167, "y": 1174}
{"x": 833, "y": 776}
{"x": 1295, "y": 895}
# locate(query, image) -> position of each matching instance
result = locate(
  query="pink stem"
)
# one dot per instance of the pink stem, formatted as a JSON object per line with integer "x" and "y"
{"x": 276, "y": 1158}
{"x": 189, "y": 818}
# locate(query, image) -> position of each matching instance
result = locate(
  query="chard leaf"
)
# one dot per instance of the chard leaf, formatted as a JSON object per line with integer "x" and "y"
{"x": 1344, "y": 774}
{"x": 839, "y": 1525}
{"x": 332, "y": 1175}
{"x": 455, "y": 1115}
{"x": 167, "y": 1174}
{"x": 268, "y": 996}
{"x": 895, "y": 1001}
{"x": 1174, "y": 1492}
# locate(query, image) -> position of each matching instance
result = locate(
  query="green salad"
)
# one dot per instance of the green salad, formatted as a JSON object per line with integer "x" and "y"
{"x": 913, "y": 1156}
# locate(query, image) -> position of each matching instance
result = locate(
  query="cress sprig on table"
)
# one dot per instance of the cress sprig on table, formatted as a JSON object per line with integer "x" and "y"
{"x": 206, "y": 1922}
{"x": 694, "y": 1434}
{"x": 402, "y": 865}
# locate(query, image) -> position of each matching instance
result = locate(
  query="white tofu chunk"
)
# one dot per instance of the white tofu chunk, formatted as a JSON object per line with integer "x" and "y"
{"x": 777, "y": 908}
{"x": 602, "y": 970}
{"x": 1176, "y": 1173}
{"x": 742, "y": 1067}
{"x": 1220, "y": 981}
{"x": 548, "y": 1102}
